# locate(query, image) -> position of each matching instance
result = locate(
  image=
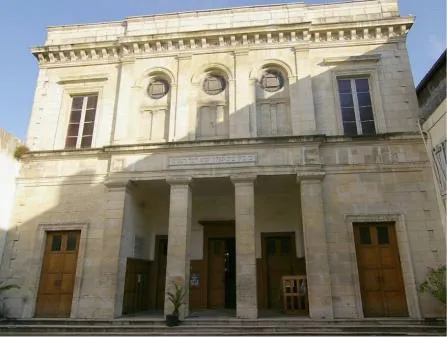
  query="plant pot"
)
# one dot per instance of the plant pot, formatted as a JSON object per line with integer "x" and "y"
{"x": 172, "y": 320}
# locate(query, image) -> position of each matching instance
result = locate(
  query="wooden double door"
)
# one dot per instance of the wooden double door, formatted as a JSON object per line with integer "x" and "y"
{"x": 58, "y": 274}
{"x": 221, "y": 273}
{"x": 381, "y": 282}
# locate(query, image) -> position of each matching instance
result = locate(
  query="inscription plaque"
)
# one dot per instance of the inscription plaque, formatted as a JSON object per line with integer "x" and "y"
{"x": 212, "y": 160}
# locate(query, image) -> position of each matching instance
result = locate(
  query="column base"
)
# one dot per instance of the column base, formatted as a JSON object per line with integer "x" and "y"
{"x": 246, "y": 312}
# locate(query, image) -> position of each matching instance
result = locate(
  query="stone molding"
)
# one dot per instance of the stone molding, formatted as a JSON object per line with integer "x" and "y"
{"x": 243, "y": 178}
{"x": 179, "y": 181}
{"x": 116, "y": 184}
{"x": 38, "y": 256}
{"x": 305, "y": 35}
{"x": 404, "y": 249}
{"x": 303, "y": 177}
{"x": 373, "y": 58}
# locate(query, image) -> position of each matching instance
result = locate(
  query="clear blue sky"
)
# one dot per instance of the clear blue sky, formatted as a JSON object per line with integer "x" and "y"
{"x": 23, "y": 23}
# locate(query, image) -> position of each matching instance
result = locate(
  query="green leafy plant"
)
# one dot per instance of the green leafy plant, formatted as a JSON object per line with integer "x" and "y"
{"x": 435, "y": 283}
{"x": 176, "y": 297}
{"x": 20, "y": 151}
{"x": 4, "y": 287}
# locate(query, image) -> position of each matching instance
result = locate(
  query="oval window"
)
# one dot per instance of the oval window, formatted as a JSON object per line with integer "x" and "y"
{"x": 158, "y": 88}
{"x": 214, "y": 84}
{"x": 272, "y": 80}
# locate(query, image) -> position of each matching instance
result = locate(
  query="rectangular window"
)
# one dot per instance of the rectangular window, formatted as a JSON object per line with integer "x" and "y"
{"x": 440, "y": 159}
{"x": 356, "y": 106}
{"x": 82, "y": 121}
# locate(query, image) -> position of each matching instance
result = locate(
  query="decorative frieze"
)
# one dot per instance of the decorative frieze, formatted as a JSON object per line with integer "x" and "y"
{"x": 305, "y": 33}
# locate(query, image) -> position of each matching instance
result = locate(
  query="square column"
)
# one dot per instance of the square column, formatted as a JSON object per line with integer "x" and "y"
{"x": 179, "y": 234}
{"x": 246, "y": 293}
{"x": 111, "y": 281}
{"x": 315, "y": 245}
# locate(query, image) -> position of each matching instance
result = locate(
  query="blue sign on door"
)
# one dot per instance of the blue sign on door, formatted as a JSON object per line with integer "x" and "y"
{"x": 195, "y": 280}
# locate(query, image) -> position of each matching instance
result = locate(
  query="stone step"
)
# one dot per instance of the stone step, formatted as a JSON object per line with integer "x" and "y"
{"x": 228, "y": 321}
{"x": 66, "y": 327}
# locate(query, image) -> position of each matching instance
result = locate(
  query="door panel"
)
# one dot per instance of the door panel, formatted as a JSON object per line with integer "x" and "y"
{"x": 216, "y": 272}
{"x": 279, "y": 251}
{"x": 221, "y": 273}
{"x": 58, "y": 274}
{"x": 380, "y": 275}
{"x": 136, "y": 286}
{"x": 230, "y": 273}
{"x": 162, "y": 258}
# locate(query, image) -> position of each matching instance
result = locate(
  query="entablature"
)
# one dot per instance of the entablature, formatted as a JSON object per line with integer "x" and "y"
{"x": 301, "y": 35}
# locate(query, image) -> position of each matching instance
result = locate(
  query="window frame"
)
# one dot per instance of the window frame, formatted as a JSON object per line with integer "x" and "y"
{"x": 356, "y": 104}
{"x": 80, "y": 134}
{"x": 69, "y": 91}
{"x": 360, "y": 71}
{"x": 439, "y": 153}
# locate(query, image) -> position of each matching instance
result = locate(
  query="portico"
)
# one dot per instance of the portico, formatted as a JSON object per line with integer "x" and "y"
{"x": 201, "y": 220}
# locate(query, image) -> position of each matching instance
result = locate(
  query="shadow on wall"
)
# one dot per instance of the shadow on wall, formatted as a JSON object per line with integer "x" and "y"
{"x": 71, "y": 194}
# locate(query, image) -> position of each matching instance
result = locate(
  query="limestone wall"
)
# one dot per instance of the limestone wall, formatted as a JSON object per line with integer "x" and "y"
{"x": 9, "y": 170}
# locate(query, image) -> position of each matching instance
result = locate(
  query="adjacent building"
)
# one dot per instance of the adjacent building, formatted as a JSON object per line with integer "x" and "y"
{"x": 431, "y": 92}
{"x": 9, "y": 170}
{"x": 222, "y": 150}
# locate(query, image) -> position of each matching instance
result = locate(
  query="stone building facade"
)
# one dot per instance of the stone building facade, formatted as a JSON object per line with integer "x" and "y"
{"x": 222, "y": 150}
{"x": 431, "y": 93}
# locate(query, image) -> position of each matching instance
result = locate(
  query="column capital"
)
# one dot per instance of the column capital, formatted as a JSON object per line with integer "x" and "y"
{"x": 243, "y": 178}
{"x": 184, "y": 57}
{"x": 179, "y": 180}
{"x": 241, "y": 52}
{"x": 116, "y": 184}
{"x": 310, "y": 176}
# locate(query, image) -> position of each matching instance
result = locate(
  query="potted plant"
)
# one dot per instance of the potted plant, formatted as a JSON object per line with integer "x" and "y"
{"x": 176, "y": 297}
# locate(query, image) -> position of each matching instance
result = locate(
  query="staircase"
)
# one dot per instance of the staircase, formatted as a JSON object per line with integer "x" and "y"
{"x": 223, "y": 326}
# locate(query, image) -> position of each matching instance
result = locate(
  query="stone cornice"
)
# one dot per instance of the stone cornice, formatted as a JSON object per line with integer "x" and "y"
{"x": 305, "y": 35}
{"x": 304, "y": 141}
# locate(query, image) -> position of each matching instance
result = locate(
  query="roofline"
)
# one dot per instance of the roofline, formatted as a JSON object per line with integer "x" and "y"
{"x": 438, "y": 64}
{"x": 283, "y": 4}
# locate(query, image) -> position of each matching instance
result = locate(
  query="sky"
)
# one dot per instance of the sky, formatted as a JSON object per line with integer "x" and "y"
{"x": 23, "y": 25}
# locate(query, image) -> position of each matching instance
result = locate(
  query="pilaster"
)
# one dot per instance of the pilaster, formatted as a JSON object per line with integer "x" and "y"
{"x": 244, "y": 95}
{"x": 185, "y": 106}
{"x": 301, "y": 97}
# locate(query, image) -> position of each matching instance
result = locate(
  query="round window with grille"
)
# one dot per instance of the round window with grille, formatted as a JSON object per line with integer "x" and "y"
{"x": 158, "y": 88}
{"x": 214, "y": 84}
{"x": 272, "y": 80}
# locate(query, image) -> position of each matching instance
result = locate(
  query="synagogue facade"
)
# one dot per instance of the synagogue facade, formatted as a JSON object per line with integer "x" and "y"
{"x": 221, "y": 151}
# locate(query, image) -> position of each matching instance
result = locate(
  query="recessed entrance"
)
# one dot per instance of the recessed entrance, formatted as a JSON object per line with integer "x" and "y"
{"x": 57, "y": 278}
{"x": 381, "y": 284}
